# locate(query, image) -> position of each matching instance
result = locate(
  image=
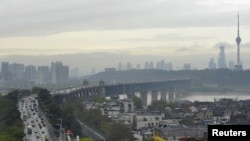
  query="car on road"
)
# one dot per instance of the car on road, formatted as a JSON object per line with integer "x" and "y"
{"x": 37, "y": 136}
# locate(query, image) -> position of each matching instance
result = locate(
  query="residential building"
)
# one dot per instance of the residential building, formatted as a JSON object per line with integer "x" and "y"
{"x": 43, "y": 75}
{"x": 59, "y": 72}
{"x": 30, "y": 73}
{"x": 147, "y": 120}
{"x": 5, "y": 71}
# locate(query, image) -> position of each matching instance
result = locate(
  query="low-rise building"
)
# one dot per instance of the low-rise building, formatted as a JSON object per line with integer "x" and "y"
{"x": 121, "y": 110}
{"x": 179, "y": 131}
{"x": 147, "y": 120}
{"x": 111, "y": 110}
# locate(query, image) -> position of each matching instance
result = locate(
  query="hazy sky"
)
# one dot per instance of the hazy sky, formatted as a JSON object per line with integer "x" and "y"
{"x": 158, "y": 27}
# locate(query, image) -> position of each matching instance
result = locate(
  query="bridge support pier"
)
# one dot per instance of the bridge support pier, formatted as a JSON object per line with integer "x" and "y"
{"x": 144, "y": 99}
{"x": 150, "y": 91}
{"x": 178, "y": 93}
{"x": 101, "y": 89}
{"x": 171, "y": 94}
{"x": 164, "y": 95}
{"x": 154, "y": 96}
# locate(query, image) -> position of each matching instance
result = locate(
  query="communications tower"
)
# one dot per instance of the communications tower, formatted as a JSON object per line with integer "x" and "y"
{"x": 238, "y": 66}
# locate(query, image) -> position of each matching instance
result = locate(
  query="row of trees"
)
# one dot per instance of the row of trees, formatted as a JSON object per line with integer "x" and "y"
{"x": 93, "y": 118}
{"x": 74, "y": 109}
{"x": 11, "y": 125}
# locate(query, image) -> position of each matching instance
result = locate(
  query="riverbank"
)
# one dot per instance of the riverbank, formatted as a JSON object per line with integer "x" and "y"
{"x": 212, "y": 96}
{"x": 220, "y": 89}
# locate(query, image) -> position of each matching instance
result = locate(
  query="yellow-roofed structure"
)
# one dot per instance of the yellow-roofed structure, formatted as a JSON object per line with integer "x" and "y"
{"x": 158, "y": 138}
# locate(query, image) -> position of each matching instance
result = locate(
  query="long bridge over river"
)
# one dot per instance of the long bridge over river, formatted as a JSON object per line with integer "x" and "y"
{"x": 158, "y": 90}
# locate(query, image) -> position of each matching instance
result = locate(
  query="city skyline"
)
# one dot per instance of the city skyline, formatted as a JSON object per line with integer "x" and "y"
{"x": 20, "y": 75}
{"x": 161, "y": 64}
{"x": 177, "y": 31}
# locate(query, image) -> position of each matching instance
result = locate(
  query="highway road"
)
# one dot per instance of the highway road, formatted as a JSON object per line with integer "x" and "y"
{"x": 33, "y": 119}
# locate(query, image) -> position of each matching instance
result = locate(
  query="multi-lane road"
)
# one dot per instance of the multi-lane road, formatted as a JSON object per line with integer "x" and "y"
{"x": 34, "y": 121}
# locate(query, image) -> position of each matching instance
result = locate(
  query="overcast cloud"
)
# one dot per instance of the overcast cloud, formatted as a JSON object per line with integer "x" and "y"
{"x": 137, "y": 27}
{"x": 39, "y": 17}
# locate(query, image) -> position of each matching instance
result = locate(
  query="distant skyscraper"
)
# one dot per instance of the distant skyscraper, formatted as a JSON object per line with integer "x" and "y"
{"x": 16, "y": 71}
{"x": 59, "y": 72}
{"x": 231, "y": 65}
{"x": 160, "y": 65}
{"x": 187, "y": 66}
{"x": 238, "y": 65}
{"x": 119, "y": 66}
{"x": 222, "y": 60}
{"x": 151, "y": 65}
{"x": 5, "y": 70}
{"x": 43, "y": 75}
{"x": 30, "y": 72}
{"x": 211, "y": 64}
{"x": 169, "y": 66}
{"x": 129, "y": 66}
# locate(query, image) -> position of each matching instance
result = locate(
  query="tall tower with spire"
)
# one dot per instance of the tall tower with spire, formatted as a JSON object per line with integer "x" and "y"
{"x": 221, "y": 59}
{"x": 238, "y": 66}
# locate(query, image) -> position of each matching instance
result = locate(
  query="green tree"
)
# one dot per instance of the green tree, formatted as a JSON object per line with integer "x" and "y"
{"x": 11, "y": 126}
{"x": 17, "y": 132}
{"x": 44, "y": 94}
{"x": 12, "y": 96}
{"x": 76, "y": 128}
{"x": 119, "y": 132}
{"x": 137, "y": 102}
{"x": 158, "y": 105}
{"x": 35, "y": 90}
{"x": 99, "y": 99}
{"x": 86, "y": 139}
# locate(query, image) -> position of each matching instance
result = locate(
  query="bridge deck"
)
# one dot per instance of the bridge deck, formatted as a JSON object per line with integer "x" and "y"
{"x": 122, "y": 88}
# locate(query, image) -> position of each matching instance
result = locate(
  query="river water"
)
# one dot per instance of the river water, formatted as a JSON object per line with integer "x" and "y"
{"x": 203, "y": 96}
{"x": 211, "y": 96}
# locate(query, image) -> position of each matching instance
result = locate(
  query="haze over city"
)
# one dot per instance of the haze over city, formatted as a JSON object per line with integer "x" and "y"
{"x": 39, "y": 32}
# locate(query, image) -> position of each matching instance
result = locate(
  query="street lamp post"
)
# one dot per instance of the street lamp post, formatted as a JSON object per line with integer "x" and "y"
{"x": 63, "y": 133}
{"x": 61, "y": 129}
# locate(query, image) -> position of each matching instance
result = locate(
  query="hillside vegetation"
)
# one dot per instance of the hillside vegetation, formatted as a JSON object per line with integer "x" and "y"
{"x": 11, "y": 125}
